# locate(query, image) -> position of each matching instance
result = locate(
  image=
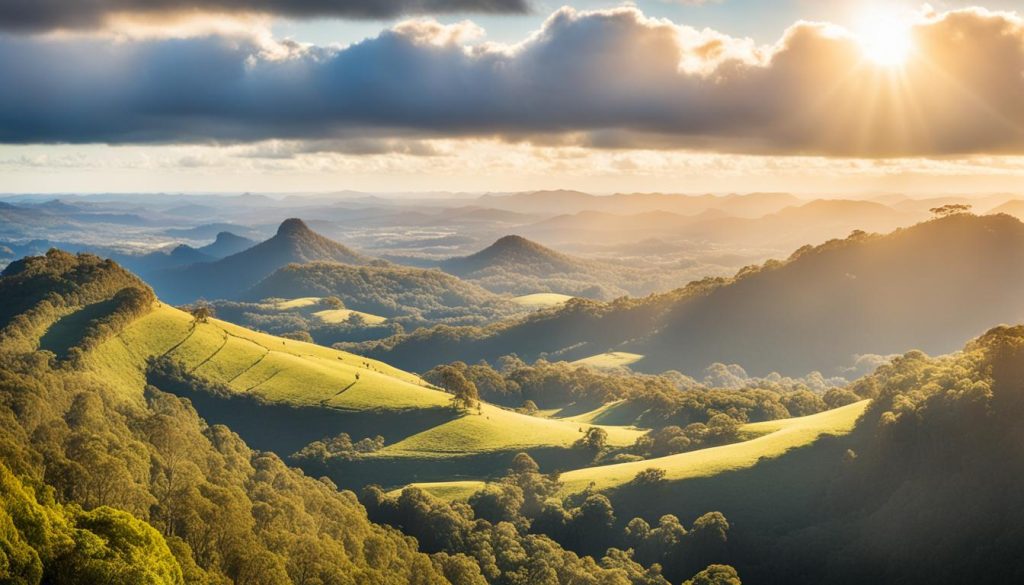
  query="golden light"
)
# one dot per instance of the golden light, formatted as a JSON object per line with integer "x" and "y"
{"x": 885, "y": 38}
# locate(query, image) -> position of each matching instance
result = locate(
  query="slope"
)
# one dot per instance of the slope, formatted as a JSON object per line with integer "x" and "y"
{"x": 772, "y": 439}
{"x": 231, "y": 276}
{"x": 516, "y": 265}
{"x": 930, "y": 286}
{"x": 418, "y": 295}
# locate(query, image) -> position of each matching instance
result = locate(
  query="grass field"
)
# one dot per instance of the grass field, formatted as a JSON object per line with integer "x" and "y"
{"x": 299, "y": 303}
{"x": 341, "y": 315}
{"x": 497, "y": 429}
{"x": 776, "y": 438}
{"x": 273, "y": 368}
{"x": 541, "y": 300}
{"x": 611, "y": 359}
{"x": 780, "y": 437}
{"x": 301, "y": 374}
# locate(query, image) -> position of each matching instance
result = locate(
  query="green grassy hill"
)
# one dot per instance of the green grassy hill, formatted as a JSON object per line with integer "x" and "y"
{"x": 311, "y": 392}
{"x": 766, "y": 440}
{"x": 415, "y": 296}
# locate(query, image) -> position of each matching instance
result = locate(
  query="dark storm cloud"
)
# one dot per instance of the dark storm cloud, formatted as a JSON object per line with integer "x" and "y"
{"x": 609, "y": 79}
{"x": 41, "y": 15}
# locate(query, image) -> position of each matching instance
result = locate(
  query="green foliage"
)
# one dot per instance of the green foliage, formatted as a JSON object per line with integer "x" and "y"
{"x": 715, "y": 575}
{"x": 44, "y": 541}
{"x": 412, "y": 297}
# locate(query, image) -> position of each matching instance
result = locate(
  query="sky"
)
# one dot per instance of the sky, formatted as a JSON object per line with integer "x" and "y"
{"x": 813, "y": 97}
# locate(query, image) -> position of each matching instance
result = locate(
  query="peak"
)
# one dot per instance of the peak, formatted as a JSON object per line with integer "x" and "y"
{"x": 512, "y": 241}
{"x": 292, "y": 226}
{"x": 222, "y": 236}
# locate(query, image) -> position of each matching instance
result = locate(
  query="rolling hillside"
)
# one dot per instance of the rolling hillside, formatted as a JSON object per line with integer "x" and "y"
{"x": 930, "y": 286}
{"x": 278, "y": 394}
{"x": 770, "y": 440}
{"x": 418, "y": 296}
{"x": 233, "y": 275}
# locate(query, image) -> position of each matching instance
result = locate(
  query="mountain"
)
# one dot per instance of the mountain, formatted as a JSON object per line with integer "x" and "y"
{"x": 570, "y": 202}
{"x": 226, "y": 244}
{"x": 412, "y": 296}
{"x": 234, "y": 274}
{"x": 159, "y": 496}
{"x": 512, "y": 253}
{"x": 930, "y": 287}
{"x": 516, "y": 265}
{"x": 1014, "y": 207}
{"x": 205, "y": 231}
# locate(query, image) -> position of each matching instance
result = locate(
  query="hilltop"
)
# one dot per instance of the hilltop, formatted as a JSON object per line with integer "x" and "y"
{"x": 930, "y": 286}
{"x": 518, "y": 266}
{"x": 234, "y": 274}
{"x": 412, "y": 296}
{"x": 226, "y": 244}
{"x": 513, "y": 253}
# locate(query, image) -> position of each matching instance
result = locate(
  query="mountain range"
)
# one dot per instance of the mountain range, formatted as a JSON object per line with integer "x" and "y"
{"x": 823, "y": 309}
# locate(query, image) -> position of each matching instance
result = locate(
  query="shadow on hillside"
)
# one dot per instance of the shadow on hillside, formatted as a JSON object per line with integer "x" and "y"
{"x": 284, "y": 429}
{"x": 69, "y": 330}
{"x": 397, "y": 472}
{"x": 766, "y": 504}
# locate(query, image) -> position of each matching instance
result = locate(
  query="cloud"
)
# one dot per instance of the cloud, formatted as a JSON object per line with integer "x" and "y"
{"x": 43, "y": 15}
{"x": 611, "y": 79}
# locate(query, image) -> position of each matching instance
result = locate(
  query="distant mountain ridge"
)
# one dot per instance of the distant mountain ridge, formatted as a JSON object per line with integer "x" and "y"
{"x": 930, "y": 287}
{"x": 567, "y": 201}
{"x": 229, "y": 277}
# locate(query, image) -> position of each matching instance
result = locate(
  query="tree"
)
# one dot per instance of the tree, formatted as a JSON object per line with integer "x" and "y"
{"x": 332, "y": 302}
{"x": 951, "y": 209}
{"x": 594, "y": 439}
{"x": 201, "y": 313}
{"x": 650, "y": 477}
{"x": 529, "y": 407}
{"x": 715, "y": 575}
{"x": 464, "y": 392}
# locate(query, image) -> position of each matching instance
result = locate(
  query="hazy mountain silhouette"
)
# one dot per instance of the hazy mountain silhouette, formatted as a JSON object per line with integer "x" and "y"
{"x": 516, "y": 265}
{"x": 226, "y": 244}
{"x": 513, "y": 253}
{"x": 568, "y": 202}
{"x": 930, "y": 287}
{"x": 232, "y": 275}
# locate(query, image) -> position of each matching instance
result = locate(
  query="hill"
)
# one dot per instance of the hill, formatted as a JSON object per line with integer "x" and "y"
{"x": 226, "y": 244}
{"x": 772, "y": 439}
{"x": 812, "y": 222}
{"x": 570, "y": 202}
{"x": 930, "y": 286}
{"x": 411, "y": 296}
{"x": 1014, "y": 207}
{"x": 107, "y": 478}
{"x": 518, "y": 266}
{"x": 278, "y": 394}
{"x": 234, "y": 274}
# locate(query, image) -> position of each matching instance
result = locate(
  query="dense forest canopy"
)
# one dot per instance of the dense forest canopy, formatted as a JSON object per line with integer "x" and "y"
{"x": 410, "y": 296}
{"x": 102, "y": 480}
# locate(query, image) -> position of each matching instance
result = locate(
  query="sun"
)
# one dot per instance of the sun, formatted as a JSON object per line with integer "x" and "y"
{"x": 885, "y": 39}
